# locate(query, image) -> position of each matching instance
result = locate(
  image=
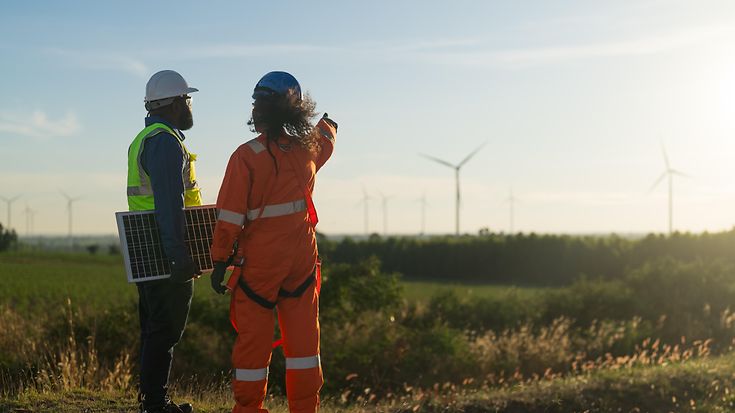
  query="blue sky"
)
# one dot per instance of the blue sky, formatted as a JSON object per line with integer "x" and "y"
{"x": 574, "y": 99}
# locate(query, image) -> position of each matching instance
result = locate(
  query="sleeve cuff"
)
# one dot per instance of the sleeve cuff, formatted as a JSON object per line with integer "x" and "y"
{"x": 220, "y": 254}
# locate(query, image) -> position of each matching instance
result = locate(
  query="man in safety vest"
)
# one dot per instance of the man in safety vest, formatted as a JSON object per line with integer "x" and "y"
{"x": 161, "y": 177}
{"x": 266, "y": 221}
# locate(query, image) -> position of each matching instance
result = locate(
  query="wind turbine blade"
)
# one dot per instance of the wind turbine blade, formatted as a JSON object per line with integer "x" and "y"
{"x": 445, "y": 163}
{"x": 658, "y": 181}
{"x": 679, "y": 173}
{"x": 464, "y": 161}
{"x": 65, "y": 195}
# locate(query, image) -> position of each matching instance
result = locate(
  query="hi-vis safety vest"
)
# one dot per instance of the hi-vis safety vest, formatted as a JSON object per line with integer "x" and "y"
{"x": 140, "y": 192}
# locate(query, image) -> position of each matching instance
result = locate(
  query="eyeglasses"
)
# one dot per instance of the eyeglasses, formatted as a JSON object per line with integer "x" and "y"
{"x": 187, "y": 100}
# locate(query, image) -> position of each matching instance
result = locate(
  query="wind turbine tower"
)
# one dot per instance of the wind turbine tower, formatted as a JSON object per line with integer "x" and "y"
{"x": 365, "y": 201}
{"x": 9, "y": 203}
{"x": 29, "y": 213}
{"x": 423, "y": 203}
{"x": 384, "y": 200}
{"x": 456, "y": 180}
{"x": 69, "y": 202}
{"x": 512, "y": 201}
{"x": 669, "y": 172}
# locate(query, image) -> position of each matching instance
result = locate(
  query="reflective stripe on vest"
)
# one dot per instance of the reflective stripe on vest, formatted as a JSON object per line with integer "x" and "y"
{"x": 301, "y": 363}
{"x": 139, "y": 190}
{"x": 256, "y": 146}
{"x": 277, "y": 210}
{"x": 231, "y": 217}
{"x": 251, "y": 374}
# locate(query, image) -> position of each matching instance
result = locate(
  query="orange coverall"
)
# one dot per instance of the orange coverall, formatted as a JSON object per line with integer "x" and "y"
{"x": 262, "y": 205}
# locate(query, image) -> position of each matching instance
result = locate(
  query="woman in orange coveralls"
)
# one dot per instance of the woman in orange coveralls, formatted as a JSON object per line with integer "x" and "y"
{"x": 266, "y": 225}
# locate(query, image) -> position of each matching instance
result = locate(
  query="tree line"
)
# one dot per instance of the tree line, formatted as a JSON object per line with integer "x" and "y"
{"x": 526, "y": 259}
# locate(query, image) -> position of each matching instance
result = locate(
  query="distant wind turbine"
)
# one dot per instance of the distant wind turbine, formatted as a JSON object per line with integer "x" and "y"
{"x": 668, "y": 172}
{"x": 29, "y": 213}
{"x": 9, "y": 202}
{"x": 512, "y": 201}
{"x": 384, "y": 202}
{"x": 69, "y": 202}
{"x": 424, "y": 204}
{"x": 365, "y": 201}
{"x": 456, "y": 179}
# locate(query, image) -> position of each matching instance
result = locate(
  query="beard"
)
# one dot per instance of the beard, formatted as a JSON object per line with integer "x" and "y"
{"x": 186, "y": 121}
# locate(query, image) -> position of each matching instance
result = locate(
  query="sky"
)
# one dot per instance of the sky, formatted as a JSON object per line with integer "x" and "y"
{"x": 574, "y": 100}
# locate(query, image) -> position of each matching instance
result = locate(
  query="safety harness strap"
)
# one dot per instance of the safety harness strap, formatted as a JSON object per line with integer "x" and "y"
{"x": 254, "y": 296}
{"x": 299, "y": 290}
{"x": 263, "y": 302}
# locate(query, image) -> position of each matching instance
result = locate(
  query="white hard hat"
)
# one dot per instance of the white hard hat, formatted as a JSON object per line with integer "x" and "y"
{"x": 166, "y": 84}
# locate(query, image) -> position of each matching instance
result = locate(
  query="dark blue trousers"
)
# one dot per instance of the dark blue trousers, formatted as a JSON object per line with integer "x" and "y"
{"x": 164, "y": 308}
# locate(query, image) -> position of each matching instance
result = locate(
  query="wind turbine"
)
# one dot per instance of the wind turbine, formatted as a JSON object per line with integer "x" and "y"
{"x": 69, "y": 202}
{"x": 512, "y": 201}
{"x": 668, "y": 172}
{"x": 9, "y": 202}
{"x": 29, "y": 213}
{"x": 384, "y": 202}
{"x": 423, "y": 203}
{"x": 456, "y": 179}
{"x": 365, "y": 204}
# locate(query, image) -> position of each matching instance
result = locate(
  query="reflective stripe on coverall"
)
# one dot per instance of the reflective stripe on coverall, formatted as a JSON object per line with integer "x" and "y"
{"x": 278, "y": 245}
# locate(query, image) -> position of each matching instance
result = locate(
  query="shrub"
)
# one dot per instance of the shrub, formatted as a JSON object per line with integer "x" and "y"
{"x": 8, "y": 238}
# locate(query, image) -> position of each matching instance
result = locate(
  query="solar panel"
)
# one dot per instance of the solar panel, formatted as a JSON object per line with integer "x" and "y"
{"x": 140, "y": 242}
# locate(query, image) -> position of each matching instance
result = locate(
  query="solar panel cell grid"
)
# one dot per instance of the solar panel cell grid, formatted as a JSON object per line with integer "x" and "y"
{"x": 143, "y": 252}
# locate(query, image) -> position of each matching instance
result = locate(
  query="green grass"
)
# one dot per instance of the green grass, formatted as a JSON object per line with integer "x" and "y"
{"x": 33, "y": 284}
{"x": 422, "y": 290}
{"x": 704, "y": 385}
{"x": 29, "y": 281}
{"x": 32, "y": 281}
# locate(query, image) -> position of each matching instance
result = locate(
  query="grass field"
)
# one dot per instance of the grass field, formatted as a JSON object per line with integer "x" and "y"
{"x": 696, "y": 386}
{"x": 421, "y": 290}
{"x": 28, "y": 280}
{"x": 70, "y": 321}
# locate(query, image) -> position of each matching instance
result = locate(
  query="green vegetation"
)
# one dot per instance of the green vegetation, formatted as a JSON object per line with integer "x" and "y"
{"x": 420, "y": 291}
{"x": 527, "y": 259}
{"x": 71, "y": 322}
{"x": 704, "y": 385}
{"x": 8, "y": 238}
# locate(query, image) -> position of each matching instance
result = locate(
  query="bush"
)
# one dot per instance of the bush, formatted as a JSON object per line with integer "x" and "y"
{"x": 350, "y": 290}
{"x": 8, "y": 238}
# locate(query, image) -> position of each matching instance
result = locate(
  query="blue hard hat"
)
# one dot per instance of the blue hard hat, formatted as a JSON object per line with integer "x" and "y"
{"x": 278, "y": 83}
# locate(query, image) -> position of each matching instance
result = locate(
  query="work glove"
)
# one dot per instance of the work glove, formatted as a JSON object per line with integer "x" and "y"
{"x": 218, "y": 276}
{"x": 183, "y": 269}
{"x": 329, "y": 121}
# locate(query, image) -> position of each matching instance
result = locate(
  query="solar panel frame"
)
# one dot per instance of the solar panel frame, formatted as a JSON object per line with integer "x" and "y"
{"x": 141, "y": 246}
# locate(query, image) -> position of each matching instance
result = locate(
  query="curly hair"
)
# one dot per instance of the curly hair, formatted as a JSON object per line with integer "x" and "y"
{"x": 276, "y": 112}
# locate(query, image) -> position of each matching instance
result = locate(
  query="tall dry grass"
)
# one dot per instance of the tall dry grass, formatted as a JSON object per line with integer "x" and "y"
{"x": 52, "y": 367}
